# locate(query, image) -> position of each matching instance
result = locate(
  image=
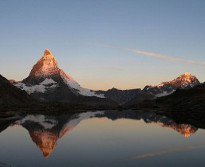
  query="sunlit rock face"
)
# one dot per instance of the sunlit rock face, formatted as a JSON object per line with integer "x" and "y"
{"x": 46, "y": 66}
{"x": 183, "y": 81}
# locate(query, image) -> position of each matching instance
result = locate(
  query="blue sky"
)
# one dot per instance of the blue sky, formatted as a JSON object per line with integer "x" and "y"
{"x": 89, "y": 39}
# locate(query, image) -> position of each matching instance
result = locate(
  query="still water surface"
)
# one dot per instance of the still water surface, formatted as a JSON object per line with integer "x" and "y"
{"x": 99, "y": 139}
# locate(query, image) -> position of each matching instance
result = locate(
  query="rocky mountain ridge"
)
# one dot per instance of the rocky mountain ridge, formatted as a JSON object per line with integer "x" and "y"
{"x": 133, "y": 96}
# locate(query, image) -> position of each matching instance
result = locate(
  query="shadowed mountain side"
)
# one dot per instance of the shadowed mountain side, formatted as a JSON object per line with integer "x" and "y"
{"x": 15, "y": 99}
{"x": 139, "y": 100}
{"x": 183, "y": 100}
{"x": 120, "y": 96}
{"x": 185, "y": 105}
{"x": 10, "y": 96}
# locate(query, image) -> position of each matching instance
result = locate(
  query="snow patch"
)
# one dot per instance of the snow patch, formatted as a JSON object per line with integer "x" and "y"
{"x": 48, "y": 81}
{"x": 165, "y": 93}
{"x": 41, "y": 88}
{"x": 83, "y": 91}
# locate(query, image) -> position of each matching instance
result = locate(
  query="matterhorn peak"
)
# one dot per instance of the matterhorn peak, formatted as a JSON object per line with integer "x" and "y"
{"x": 48, "y": 55}
{"x": 46, "y": 66}
{"x": 46, "y": 76}
{"x": 47, "y": 52}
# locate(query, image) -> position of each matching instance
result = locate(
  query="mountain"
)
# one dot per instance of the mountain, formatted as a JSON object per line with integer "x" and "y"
{"x": 47, "y": 82}
{"x": 120, "y": 96}
{"x": 184, "y": 81}
{"x": 10, "y": 96}
{"x": 136, "y": 96}
{"x": 46, "y": 75}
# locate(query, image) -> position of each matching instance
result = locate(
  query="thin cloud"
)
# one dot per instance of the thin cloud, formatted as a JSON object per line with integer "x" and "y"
{"x": 159, "y": 56}
{"x": 109, "y": 68}
{"x": 165, "y": 57}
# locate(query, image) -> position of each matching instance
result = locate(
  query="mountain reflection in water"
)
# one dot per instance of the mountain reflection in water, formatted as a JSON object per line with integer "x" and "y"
{"x": 45, "y": 130}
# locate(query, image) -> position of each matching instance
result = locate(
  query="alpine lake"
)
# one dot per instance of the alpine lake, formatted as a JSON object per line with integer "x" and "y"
{"x": 99, "y": 139}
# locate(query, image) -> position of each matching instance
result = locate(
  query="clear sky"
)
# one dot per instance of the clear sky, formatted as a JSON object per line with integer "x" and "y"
{"x": 99, "y": 42}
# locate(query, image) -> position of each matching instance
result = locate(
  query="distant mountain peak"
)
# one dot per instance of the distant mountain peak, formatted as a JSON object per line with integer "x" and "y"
{"x": 183, "y": 81}
{"x": 186, "y": 75}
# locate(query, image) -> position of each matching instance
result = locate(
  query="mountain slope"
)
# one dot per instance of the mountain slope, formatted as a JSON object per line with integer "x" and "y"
{"x": 185, "y": 100}
{"x": 184, "y": 105}
{"x": 10, "y": 96}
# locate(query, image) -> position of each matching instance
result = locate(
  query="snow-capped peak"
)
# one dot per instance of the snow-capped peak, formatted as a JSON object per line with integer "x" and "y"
{"x": 46, "y": 75}
{"x": 184, "y": 81}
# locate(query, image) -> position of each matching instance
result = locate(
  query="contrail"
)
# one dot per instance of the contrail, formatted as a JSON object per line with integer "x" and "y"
{"x": 159, "y": 56}
{"x": 165, "y": 57}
